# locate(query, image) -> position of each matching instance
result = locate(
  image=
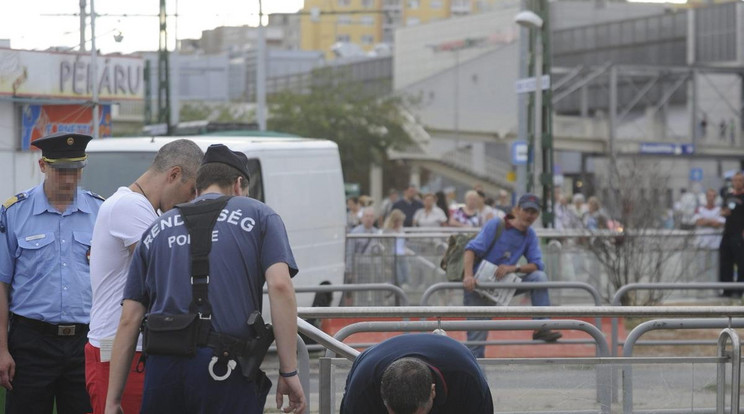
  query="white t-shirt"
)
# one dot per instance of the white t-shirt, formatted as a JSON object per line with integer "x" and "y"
{"x": 710, "y": 241}
{"x": 434, "y": 218}
{"x": 121, "y": 221}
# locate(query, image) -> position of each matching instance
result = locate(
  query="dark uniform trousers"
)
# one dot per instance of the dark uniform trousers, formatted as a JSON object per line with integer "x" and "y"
{"x": 182, "y": 385}
{"x": 731, "y": 252}
{"x": 49, "y": 367}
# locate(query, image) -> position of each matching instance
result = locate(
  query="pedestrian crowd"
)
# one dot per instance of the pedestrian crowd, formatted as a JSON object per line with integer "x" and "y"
{"x": 428, "y": 209}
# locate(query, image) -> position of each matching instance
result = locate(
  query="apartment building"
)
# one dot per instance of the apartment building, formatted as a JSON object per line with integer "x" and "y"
{"x": 367, "y": 23}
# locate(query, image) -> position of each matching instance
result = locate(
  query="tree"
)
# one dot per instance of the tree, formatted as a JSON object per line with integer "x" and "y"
{"x": 362, "y": 123}
{"x": 638, "y": 250}
{"x": 216, "y": 112}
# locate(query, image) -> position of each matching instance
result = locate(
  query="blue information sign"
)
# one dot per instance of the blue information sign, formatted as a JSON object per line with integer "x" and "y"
{"x": 696, "y": 174}
{"x": 519, "y": 152}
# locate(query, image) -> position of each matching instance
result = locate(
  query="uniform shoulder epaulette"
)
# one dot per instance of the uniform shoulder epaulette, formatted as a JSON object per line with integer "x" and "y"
{"x": 94, "y": 195}
{"x": 16, "y": 198}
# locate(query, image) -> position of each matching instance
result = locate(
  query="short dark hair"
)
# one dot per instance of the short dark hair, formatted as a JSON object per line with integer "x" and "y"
{"x": 181, "y": 152}
{"x": 217, "y": 173}
{"x": 406, "y": 385}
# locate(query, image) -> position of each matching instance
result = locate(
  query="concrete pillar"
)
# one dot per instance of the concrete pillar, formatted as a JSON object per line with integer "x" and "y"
{"x": 375, "y": 185}
{"x": 478, "y": 157}
{"x": 415, "y": 176}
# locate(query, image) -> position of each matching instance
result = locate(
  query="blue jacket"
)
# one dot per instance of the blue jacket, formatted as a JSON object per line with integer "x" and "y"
{"x": 509, "y": 248}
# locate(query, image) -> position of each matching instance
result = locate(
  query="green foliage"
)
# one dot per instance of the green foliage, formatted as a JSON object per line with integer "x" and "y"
{"x": 222, "y": 112}
{"x": 194, "y": 112}
{"x": 363, "y": 123}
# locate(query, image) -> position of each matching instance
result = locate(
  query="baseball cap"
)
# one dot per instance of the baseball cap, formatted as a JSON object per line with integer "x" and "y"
{"x": 222, "y": 154}
{"x": 529, "y": 201}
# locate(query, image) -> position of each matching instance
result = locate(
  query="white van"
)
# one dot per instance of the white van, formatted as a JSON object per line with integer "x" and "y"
{"x": 299, "y": 178}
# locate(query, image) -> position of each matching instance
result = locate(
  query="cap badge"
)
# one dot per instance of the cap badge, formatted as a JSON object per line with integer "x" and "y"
{"x": 70, "y": 141}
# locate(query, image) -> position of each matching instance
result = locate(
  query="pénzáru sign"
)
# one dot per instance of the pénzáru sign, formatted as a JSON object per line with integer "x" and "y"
{"x": 32, "y": 74}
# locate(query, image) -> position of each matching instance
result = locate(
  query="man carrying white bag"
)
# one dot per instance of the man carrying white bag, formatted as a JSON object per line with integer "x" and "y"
{"x": 498, "y": 262}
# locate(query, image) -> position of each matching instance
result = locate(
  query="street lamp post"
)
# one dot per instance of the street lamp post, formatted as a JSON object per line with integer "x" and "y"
{"x": 94, "y": 68}
{"x": 531, "y": 21}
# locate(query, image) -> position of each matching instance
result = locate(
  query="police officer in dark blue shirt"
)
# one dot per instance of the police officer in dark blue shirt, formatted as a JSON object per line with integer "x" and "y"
{"x": 422, "y": 373}
{"x": 249, "y": 247}
{"x": 45, "y": 292}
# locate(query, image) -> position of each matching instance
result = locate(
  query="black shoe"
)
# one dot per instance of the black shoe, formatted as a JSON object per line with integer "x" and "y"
{"x": 546, "y": 335}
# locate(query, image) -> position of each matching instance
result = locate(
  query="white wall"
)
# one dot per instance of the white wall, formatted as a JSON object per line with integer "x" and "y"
{"x": 487, "y": 98}
{"x": 19, "y": 170}
{"x": 415, "y": 58}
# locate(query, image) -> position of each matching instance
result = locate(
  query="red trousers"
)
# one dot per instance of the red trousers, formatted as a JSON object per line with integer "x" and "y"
{"x": 96, "y": 381}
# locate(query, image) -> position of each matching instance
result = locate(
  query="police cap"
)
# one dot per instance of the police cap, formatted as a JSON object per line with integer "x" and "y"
{"x": 63, "y": 150}
{"x": 222, "y": 154}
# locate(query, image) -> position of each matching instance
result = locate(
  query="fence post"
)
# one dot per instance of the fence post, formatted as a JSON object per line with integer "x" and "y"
{"x": 325, "y": 386}
{"x": 735, "y": 358}
{"x": 303, "y": 367}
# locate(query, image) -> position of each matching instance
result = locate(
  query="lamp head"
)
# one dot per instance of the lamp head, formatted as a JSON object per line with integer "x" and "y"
{"x": 528, "y": 19}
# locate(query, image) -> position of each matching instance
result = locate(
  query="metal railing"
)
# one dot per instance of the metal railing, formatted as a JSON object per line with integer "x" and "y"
{"x": 602, "y": 350}
{"x": 520, "y": 311}
{"x": 686, "y": 324}
{"x": 735, "y": 355}
{"x": 617, "y": 299}
{"x": 361, "y": 287}
{"x": 604, "y": 378}
{"x": 566, "y": 259}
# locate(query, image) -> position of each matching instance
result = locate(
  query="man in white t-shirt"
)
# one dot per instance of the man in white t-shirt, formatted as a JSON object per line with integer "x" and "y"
{"x": 708, "y": 217}
{"x": 121, "y": 221}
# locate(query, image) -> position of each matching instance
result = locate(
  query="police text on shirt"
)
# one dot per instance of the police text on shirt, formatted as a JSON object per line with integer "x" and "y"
{"x": 232, "y": 217}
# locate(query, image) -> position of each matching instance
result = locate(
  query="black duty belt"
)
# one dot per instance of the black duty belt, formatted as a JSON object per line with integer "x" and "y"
{"x": 63, "y": 329}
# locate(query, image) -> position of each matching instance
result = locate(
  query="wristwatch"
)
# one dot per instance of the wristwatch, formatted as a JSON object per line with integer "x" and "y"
{"x": 518, "y": 270}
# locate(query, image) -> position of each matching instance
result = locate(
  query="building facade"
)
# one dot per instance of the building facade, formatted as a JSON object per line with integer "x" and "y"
{"x": 46, "y": 92}
{"x": 366, "y": 23}
{"x": 676, "y": 75}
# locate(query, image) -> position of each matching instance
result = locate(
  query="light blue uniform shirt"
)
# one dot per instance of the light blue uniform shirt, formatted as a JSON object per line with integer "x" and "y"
{"x": 44, "y": 256}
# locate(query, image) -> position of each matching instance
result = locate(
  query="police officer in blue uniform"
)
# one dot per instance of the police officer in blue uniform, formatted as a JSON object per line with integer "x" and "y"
{"x": 249, "y": 247}
{"x": 416, "y": 373}
{"x": 45, "y": 296}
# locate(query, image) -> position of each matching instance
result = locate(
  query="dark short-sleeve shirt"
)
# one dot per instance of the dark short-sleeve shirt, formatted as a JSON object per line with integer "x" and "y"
{"x": 409, "y": 209}
{"x": 735, "y": 221}
{"x": 460, "y": 384}
{"x": 248, "y": 238}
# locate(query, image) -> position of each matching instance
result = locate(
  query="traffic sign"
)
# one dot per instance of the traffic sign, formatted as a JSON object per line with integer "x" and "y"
{"x": 519, "y": 152}
{"x": 528, "y": 84}
{"x": 664, "y": 148}
{"x": 696, "y": 174}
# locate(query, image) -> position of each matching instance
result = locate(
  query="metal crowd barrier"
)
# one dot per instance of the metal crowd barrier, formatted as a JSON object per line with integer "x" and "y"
{"x": 616, "y": 300}
{"x": 570, "y": 262}
{"x": 604, "y": 379}
{"x": 361, "y": 287}
{"x": 519, "y": 311}
{"x": 521, "y": 286}
{"x": 689, "y": 324}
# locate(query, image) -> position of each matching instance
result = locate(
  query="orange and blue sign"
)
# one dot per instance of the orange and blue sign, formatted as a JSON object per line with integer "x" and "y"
{"x": 41, "y": 120}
